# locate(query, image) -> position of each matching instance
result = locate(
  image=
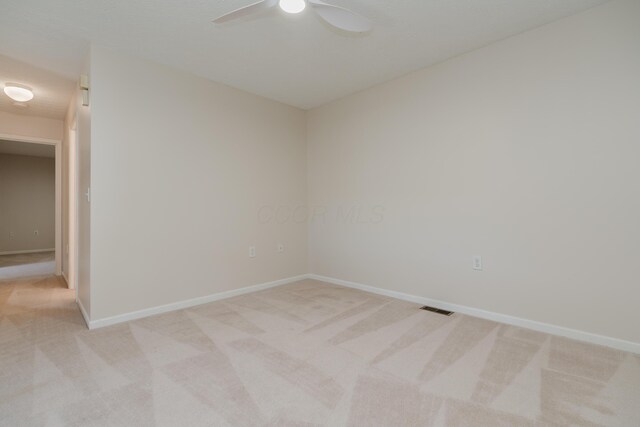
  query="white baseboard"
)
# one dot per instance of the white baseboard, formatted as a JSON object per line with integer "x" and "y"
{"x": 30, "y": 251}
{"x": 85, "y": 316}
{"x": 470, "y": 311}
{"x": 497, "y": 317}
{"x": 107, "y": 321}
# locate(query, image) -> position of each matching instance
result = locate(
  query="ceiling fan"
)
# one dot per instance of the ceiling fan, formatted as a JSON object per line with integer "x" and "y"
{"x": 337, "y": 16}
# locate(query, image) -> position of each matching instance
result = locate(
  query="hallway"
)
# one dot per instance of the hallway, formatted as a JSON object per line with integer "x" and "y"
{"x": 40, "y": 308}
{"x": 38, "y": 316}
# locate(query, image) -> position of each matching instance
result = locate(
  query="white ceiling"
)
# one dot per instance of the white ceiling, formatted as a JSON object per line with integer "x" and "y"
{"x": 296, "y": 59}
{"x": 27, "y": 149}
{"x": 51, "y": 91}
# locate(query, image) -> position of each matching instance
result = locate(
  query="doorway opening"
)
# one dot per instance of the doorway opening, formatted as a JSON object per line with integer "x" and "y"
{"x": 30, "y": 207}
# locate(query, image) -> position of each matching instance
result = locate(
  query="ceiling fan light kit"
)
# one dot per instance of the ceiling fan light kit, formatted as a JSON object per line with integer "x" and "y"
{"x": 336, "y": 16}
{"x": 292, "y": 6}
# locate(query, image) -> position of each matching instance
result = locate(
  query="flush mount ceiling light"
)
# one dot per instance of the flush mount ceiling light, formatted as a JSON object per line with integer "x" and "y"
{"x": 292, "y": 6}
{"x": 18, "y": 93}
{"x": 336, "y": 16}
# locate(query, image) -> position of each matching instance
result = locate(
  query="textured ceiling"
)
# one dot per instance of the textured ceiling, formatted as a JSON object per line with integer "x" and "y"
{"x": 27, "y": 149}
{"x": 52, "y": 92}
{"x": 296, "y": 59}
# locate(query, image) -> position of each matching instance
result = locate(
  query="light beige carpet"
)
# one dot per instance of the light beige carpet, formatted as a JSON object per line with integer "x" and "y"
{"x": 21, "y": 259}
{"x": 298, "y": 355}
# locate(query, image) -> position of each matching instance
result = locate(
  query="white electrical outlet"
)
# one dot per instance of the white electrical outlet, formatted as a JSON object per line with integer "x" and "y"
{"x": 280, "y": 247}
{"x": 477, "y": 262}
{"x": 252, "y": 251}
{"x": 36, "y": 232}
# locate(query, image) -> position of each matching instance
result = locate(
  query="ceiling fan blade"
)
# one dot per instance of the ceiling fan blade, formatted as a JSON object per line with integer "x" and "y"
{"x": 246, "y": 11}
{"x": 341, "y": 18}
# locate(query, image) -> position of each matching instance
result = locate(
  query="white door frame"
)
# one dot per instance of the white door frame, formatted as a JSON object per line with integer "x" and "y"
{"x": 58, "y": 227}
{"x": 72, "y": 232}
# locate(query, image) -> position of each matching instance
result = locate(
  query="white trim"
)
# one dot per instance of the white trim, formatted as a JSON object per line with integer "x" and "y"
{"x": 107, "y": 321}
{"x": 30, "y": 251}
{"x": 85, "y": 316}
{"x": 64, "y": 276}
{"x": 497, "y": 317}
{"x": 470, "y": 311}
{"x": 71, "y": 249}
{"x": 58, "y": 208}
{"x": 32, "y": 139}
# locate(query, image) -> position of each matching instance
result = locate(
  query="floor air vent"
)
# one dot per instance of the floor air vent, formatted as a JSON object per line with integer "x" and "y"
{"x": 436, "y": 310}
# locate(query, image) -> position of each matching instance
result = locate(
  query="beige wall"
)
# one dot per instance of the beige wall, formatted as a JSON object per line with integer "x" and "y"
{"x": 180, "y": 167}
{"x": 27, "y": 203}
{"x": 525, "y": 152}
{"x": 30, "y": 126}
